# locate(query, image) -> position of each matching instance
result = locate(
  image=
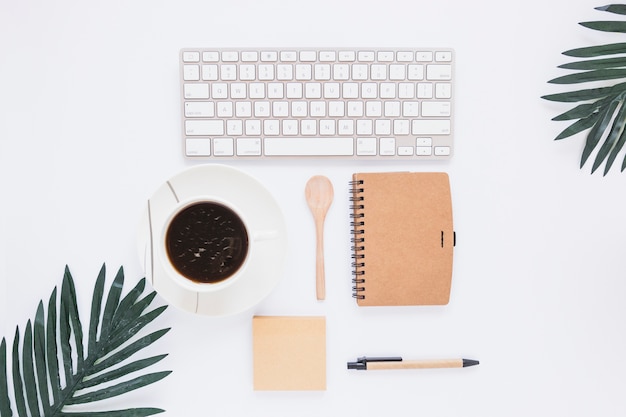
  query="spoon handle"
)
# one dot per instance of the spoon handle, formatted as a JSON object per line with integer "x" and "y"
{"x": 320, "y": 281}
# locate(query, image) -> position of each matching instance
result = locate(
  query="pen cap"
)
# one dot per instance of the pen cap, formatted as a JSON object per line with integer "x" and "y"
{"x": 361, "y": 366}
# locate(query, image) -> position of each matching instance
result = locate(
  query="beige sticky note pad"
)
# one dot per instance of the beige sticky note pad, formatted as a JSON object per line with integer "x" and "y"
{"x": 289, "y": 353}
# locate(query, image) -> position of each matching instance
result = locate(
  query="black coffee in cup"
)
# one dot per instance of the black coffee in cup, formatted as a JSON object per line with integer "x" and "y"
{"x": 207, "y": 242}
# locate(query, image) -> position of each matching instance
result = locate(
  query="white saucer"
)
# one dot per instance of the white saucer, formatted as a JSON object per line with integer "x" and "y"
{"x": 264, "y": 266}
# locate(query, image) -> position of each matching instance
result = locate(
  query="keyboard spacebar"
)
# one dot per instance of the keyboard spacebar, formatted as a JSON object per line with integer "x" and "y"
{"x": 316, "y": 146}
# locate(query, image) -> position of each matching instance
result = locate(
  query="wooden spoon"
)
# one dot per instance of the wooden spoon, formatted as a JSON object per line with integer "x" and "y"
{"x": 319, "y": 196}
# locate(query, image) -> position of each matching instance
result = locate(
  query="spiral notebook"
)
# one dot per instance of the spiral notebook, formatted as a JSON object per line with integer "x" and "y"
{"x": 402, "y": 238}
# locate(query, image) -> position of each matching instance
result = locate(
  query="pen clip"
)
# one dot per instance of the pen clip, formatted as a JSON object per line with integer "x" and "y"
{"x": 361, "y": 363}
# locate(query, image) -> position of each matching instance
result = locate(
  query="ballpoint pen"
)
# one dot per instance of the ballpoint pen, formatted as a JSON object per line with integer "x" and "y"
{"x": 364, "y": 363}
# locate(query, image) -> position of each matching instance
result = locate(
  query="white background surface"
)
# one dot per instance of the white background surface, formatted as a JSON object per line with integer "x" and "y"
{"x": 90, "y": 127}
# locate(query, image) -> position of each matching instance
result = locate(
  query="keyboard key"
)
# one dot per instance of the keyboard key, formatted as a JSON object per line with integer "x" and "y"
{"x": 249, "y": 56}
{"x": 199, "y": 109}
{"x": 347, "y": 56}
{"x": 223, "y": 147}
{"x": 387, "y": 146}
{"x": 424, "y": 56}
{"x": 439, "y": 72}
{"x": 230, "y": 56}
{"x": 366, "y": 146}
{"x": 308, "y": 56}
{"x": 443, "y": 90}
{"x": 211, "y": 56}
{"x": 443, "y": 56}
{"x": 405, "y": 56}
{"x": 331, "y": 146}
{"x": 191, "y": 56}
{"x": 424, "y": 142}
{"x": 249, "y": 146}
{"x": 197, "y": 147}
{"x": 430, "y": 127}
{"x": 385, "y": 56}
{"x": 436, "y": 108}
{"x": 204, "y": 127}
{"x": 328, "y": 56}
{"x": 199, "y": 91}
{"x": 366, "y": 56}
{"x": 209, "y": 72}
{"x": 269, "y": 56}
{"x": 234, "y": 127}
{"x": 289, "y": 56}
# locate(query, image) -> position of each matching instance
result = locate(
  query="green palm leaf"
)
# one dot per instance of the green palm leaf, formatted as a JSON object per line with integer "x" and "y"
{"x": 600, "y": 109}
{"x": 56, "y": 365}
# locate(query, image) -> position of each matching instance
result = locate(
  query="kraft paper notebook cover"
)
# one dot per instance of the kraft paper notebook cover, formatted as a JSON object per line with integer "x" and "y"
{"x": 289, "y": 353}
{"x": 402, "y": 238}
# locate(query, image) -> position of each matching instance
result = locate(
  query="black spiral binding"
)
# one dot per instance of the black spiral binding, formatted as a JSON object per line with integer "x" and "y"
{"x": 358, "y": 239}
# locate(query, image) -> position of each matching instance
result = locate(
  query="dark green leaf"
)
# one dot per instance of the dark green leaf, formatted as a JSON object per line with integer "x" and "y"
{"x": 619, "y": 145}
{"x": 606, "y": 26}
{"x": 96, "y": 305}
{"x": 120, "y": 372}
{"x": 597, "y": 131}
{"x": 581, "y": 95}
{"x": 125, "y": 334}
{"x": 579, "y": 112}
{"x": 18, "y": 386}
{"x": 51, "y": 348}
{"x": 28, "y": 370}
{"x": 113, "y": 299}
{"x": 68, "y": 295}
{"x": 594, "y": 64}
{"x": 39, "y": 343}
{"x": 128, "y": 351}
{"x": 35, "y": 360}
{"x": 131, "y": 314}
{"x": 600, "y": 50}
{"x": 614, "y": 141}
{"x": 65, "y": 333}
{"x": 128, "y": 301}
{"x": 588, "y": 76}
{"x": 5, "y": 402}
{"x": 613, "y": 8}
{"x": 579, "y": 126}
{"x": 119, "y": 389}
{"x": 132, "y": 412}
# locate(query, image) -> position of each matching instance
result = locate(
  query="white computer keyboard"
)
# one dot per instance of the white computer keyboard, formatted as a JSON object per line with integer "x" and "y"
{"x": 357, "y": 103}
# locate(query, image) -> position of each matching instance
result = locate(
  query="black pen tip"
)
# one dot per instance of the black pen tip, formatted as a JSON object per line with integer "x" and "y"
{"x": 469, "y": 362}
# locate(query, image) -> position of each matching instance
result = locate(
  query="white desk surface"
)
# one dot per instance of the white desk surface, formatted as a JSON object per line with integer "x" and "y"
{"x": 90, "y": 127}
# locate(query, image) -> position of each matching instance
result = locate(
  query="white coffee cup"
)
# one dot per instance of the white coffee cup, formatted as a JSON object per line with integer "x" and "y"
{"x": 215, "y": 246}
{"x": 259, "y": 268}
